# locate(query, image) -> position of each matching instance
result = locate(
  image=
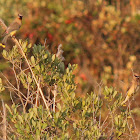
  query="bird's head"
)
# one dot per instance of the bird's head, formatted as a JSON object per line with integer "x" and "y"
{"x": 136, "y": 75}
{"x": 20, "y": 16}
{"x": 136, "y": 78}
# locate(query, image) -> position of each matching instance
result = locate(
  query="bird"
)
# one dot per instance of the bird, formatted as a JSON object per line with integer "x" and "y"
{"x": 133, "y": 88}
{"x": 12, "y": 29}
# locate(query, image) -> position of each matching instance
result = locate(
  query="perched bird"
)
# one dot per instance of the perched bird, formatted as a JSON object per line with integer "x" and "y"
{"x": 12, "y": 29}
{"x": 133, "y": 88}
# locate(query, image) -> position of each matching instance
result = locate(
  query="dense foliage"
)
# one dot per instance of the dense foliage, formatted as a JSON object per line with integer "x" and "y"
{"x": 66, "y": 116}
{"x": 96, "y": 32}
{"x": 102, "y": 37}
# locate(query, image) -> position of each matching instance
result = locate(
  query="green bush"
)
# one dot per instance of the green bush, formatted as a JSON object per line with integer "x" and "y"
{"x": 96, "y": 29}
{"x": 59, "y": 113}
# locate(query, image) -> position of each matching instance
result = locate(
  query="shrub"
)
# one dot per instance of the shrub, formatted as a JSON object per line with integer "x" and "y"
{"x": 48, "y": 106}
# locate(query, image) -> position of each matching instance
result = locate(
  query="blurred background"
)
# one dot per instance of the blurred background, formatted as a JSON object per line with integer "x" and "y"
{"x": 101, "y": 36}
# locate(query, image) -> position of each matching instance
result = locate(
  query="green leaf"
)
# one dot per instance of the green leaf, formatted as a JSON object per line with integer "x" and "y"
{"x": 73, "y": 95}
{"x": 20, "y": 118}
{"x": 67, "y": 70}
{"x": 39, "y": 125}
{"x": 83, "y": 102}
{"x": 59, "y": 106}
{"x": 44, "y": 125}
{"x": 124, "y": 123}
{"x": 8, "y": 108}
{"x": 45, "y": 56}
{"x": 30, "y": 45}
{"x": 57, "y": 114}
{"x": 35, "y": 111}
{"x": 24, "y": 46}
{"x": 115, "y": 93}
{"x": 31, "y": 114}
{"x": 17, "y": 125}
{"x": 1, "y": 86}
{"x": 26, "y": 116}
{"x": 74, "y": 125}
{"x": 29, "y": 79}
{"x": 37, "y": 67}
{"x": 42, "y": 68}
{"x": 37, "y": 134}
{"x": 119, "y": 133}
{"x": 34, "y": 123}
{"x": 110, "y": 90}
{"x": 33, "y": 60}
{"x": 5, "y": 54}
{"x": 27, "y": 128}
{"x": 53, "y": 57}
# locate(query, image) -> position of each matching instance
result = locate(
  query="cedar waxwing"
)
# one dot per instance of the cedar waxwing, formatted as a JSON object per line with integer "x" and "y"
{"x": 133, "y": 88}
{"x": 12, "y": 29}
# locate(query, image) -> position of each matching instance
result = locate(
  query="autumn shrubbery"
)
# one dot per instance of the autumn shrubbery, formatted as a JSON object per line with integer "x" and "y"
{"x": 95, "y": 32}
{"x": 60, "y": 113}
{"x": 97, "y": 35}
{"x": 103, "y": 41}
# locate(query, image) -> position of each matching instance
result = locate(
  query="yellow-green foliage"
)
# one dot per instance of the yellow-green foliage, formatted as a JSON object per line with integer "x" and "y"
{"x": 72, "y": 116}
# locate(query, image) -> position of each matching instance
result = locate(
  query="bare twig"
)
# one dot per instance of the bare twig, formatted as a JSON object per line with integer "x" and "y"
{"x": 54, "y": 99}
{"x": 4, "y": 121}
{"x": 18, "y": 88}
{"x": 2, "y": 24}
{"x": 45, "y": 42}
{"x": 28, "y": 93}
{"x": 37, "y": 95}
{"x": 39, "y": 88}
{"x": 12, "y": 87}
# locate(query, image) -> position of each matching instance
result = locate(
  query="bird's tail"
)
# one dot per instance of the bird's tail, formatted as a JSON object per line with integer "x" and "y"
{"x": 5, "y": 39}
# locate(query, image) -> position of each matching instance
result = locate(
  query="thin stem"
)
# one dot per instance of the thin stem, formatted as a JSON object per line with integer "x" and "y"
{"x": 54, "y": 99}
{"x": 18, "y": 88}
{"x": 40, "y": 90}
{"x": 37, "y": 96}
{"x": 4, "y": 121}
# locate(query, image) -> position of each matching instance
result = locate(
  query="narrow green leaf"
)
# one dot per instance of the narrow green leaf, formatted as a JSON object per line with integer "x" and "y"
{"x": 59, "y": 106}
{"x": 31, "y": 114}
{"x": 35, "y": 111}
{"x": 20, "y": 118}
{"x": 8, "y": 108}
{"x": 73, "y": 95}
{"x": 53, "y": 57}
{"x": 33, "y": 60}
